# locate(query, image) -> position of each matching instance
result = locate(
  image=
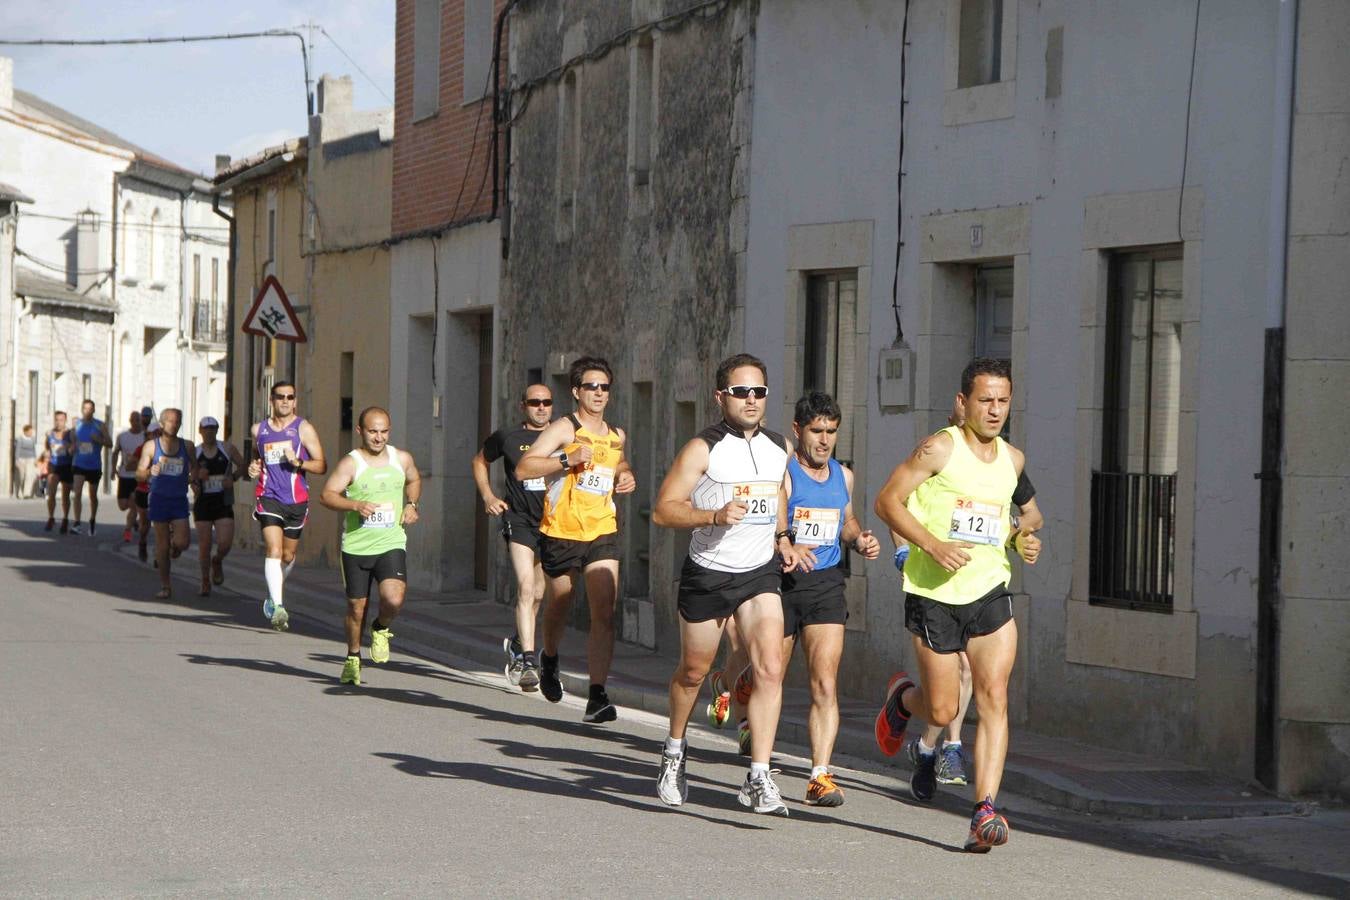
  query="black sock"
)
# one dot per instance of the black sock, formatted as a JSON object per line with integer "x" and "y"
{"x": 598, "y": 692}
{"x": 549, "y": 662}
{"x": 377, "y": 625}
{"x": 353, "y": 654}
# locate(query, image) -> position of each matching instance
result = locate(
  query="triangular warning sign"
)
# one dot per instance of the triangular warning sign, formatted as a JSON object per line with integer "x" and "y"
{"x": 272, "y": 315}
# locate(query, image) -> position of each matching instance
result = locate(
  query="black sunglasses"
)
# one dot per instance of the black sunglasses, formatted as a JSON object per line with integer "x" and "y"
{"x": 601, "y": 386}
{"x": 536, "y": 402}
{"x": 283, "y": 396}
{"x": 745, "y": 391}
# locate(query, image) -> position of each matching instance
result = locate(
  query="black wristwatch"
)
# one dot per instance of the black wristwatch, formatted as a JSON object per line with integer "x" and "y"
{"x": 562, "y": 458}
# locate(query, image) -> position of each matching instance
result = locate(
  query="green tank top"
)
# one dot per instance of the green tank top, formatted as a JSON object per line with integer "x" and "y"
{"x": 383, "y": 486}
{"x": 967, "y": 501}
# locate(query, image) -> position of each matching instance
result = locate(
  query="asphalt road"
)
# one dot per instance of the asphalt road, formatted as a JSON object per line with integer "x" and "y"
{"x": 182, "y": 748}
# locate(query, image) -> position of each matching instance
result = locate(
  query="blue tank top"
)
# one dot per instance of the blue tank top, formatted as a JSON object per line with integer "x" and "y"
{"x": 172, "y": 480}
{"x": 58, "y": 448}
{"x": 88, "y": 455}
{"x": 816, "y": 511}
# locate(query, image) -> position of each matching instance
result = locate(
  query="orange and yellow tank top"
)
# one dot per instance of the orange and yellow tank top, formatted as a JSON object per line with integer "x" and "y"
{"x": 580, "y": 505}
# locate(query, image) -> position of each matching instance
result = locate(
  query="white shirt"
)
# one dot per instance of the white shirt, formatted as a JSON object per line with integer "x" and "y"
{"x": 750, "y": 470}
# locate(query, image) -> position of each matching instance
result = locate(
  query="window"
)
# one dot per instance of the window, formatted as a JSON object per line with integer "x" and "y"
{"x": 125, "y": 255}
{"x": 831, "y": 300}
{"x": 215, "y": 280}
{"x": 152, "y": 248}
{"x": 980, "y": 54}
{"x": 569, "y": 139}
{"x": 86, "y": 387}
{"x": 271, "y": 232}
{"x": 34, "y": 388}
{"x": 1133, "y": 529}
{"x": 346, "y": 422}
{"x": 196, "y": 277}
{"x": 477, "y": 49}
{"x": 641, "y": 116}
{"x": 426, "y": 58}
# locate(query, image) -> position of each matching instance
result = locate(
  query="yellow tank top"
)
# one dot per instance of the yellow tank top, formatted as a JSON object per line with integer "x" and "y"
{"x": 580, "y": 505}
{"x": 967, "y": 501}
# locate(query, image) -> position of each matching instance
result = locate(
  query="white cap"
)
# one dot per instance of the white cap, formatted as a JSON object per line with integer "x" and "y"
{"x": 153, "y": 426}
{"x": 208, "y": 422}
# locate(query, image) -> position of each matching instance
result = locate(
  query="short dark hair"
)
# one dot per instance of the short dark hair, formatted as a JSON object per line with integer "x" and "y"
{"x": 586, "y": 364}
{"x": 59, "y": 412}
{"x": 732, "y": 363}
{"x": 984, "y": 365}
{"x": 90, "y": 402}
{"x": 361, "y": 419}
{"x": 816, "y": 405}
{"x": 281, "y": 384}
{"x": 526, "y": 390}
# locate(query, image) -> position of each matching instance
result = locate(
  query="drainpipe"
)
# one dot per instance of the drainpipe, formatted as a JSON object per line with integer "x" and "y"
{"x": 229, "y": 306}
{"x": 1272, "y": 409}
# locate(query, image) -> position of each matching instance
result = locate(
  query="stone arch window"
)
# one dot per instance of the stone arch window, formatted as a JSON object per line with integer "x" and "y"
{"x": 153, "y": 251}
{"x": 124, "y": 251}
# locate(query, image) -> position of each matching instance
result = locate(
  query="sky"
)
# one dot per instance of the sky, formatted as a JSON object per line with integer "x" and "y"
{"x": 188, "y": 102}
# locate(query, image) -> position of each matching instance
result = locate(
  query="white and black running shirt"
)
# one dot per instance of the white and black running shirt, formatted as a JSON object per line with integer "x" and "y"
{"x": 750, "y": 470}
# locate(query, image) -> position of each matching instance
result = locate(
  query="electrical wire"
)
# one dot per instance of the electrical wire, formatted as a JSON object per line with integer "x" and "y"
{"x": 900, "y": 182}
{"x": 55, "y": 267}
{"x": 355, "y": 64}
{"x": 1186, "y": 140}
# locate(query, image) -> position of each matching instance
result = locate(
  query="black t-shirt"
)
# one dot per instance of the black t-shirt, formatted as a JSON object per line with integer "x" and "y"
{"x": 1025, "y": 491}
{"x": 525, "y": 498}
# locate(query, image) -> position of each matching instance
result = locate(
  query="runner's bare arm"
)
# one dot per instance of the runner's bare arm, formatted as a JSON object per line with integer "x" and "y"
{"x": 1031, "y": 520}
{"x": 852, "y": 533}
{"x": 794, "y": 558}
{"x": 926, "y": 461}
{"x": 255, "y": 465}
{"x": 412, "y": 487}
{"x": 147, "y": 458}
{"x": 541, "y": 459}
{"x": 338, "y": 482}
{"x": 625, "y": 482}
{"x": 236, "y": 460}
{"x": 309, "y": 439}
{"x": 492, "y": 504}
{"x": 673, "y": 508}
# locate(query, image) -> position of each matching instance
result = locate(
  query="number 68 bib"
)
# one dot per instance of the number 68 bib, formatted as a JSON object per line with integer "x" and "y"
{"x": 382, "y": 517}
{"x": 977, "y": 521}
{"x": 762, "y": 500}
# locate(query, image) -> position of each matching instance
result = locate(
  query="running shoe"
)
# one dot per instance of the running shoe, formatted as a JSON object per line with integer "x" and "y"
{"x": 143, "y": 552}
{"x": 671, "y": 785}
{"x": 743, "y": 738}
{"x": 276, "y": 614}
{"x": 988, "y": 828}
{"x": 73, "y": 529}
{"x": 51, "y": 523}
{"x": 379, "y": 645}
{"x": 744, "y": 683}
{"x": 549, "y": 683}
{"x": 515, "y": 661}
{"x": 599, "y": 709}
{"x": 891, "y": 722}
{"x": 822, "y": 791}
{"x": 217, "y": 571}
{"x": 760, "y": 794}
{"x": 923, "y": 782}
{"x": 126, "y": 535}
{"x": 951, "y": 765}
{"x": 529, "y": 676}
{"x": 719, "y": 710}
{"x": 351, "y": 670}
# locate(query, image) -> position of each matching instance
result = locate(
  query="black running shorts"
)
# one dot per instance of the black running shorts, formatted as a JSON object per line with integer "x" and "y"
{"x": 90, "y": 476}
{"x": 63, "y": 474}
{"x": 289, "y": 517}
{"x": 517, "y": 529}
{"x": 709, "y": 594}
{"x": 560, "y": 556}
{"x": 125, "y": 487}
{"x": 212, "y": 507}
{"x": 945, "y": 628}
{"x": 143, "y": 499}
{"x": 813, "y": 598}
{"x": 360, "y": 572}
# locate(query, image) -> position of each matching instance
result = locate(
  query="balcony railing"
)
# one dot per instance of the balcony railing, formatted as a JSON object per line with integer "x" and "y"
{"x": 1133, "y": 540}
{"x": 208, "y": 325}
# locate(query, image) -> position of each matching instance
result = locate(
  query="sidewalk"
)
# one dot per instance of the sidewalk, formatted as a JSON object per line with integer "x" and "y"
{"x": 469, "y": 625}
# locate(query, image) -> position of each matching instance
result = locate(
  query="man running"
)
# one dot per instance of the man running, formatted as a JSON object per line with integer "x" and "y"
{"x": 949, "y": 500}
{"x": 370, "y": 485}
{"x": 218, "y": 466}
{"x": 60, "y": 458}
{"x": 520, "y": 512}
{"x": 166, "y": 465}
{"x": 126, "y": 453}
{"x": 288, "y": 449}
{"x": 90, "y": 439}
{"x": 578, "y": 527}
{"x": 142, "y": 497}
{"x": 725, "y": 485}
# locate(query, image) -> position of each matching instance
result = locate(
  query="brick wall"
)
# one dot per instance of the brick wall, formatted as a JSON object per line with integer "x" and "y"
{"x": 435, "y": 156}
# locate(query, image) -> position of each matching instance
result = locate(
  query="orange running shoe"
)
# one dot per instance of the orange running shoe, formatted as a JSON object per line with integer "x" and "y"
{"x": 988, "y": 828}
{"x": 822, "y": 791}
{"x": 719, "y": 710}
{"x": 745, "y": 682}
{"x": 891, "y": 721}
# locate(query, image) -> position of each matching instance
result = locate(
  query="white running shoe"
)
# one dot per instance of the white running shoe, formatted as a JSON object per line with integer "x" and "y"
{"x": 761, "y": 795}
{"x": 671, "y": 785}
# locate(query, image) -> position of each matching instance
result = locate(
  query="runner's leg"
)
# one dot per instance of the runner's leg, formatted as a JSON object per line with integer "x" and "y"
{"x": 698, "y": 648}
{"x": 558, "y": 605}
{"x": 967, "y": 687}
{"x": 162, "y": 556}
{"x": 602, "y": 588}
{"x": 760, "y": 620}
{"x": 529, "y": 592}
{"x": 937, "y": 696}
{"x": 79, "y": 496}
{"x": 823, "y": 645}
{"x": 991, "y": 662}
{"x": 204, "y": 554}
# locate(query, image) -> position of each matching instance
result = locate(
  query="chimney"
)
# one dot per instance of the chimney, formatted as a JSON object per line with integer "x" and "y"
{"x": 6, "y": 83}
{"x": 87, "y": 261}
{"x": 222, "y": 162}
{"x": 335, "y": 94}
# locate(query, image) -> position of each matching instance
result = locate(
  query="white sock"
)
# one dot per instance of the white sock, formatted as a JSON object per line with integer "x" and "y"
{"x": 286, "y": 569}
{"x": 925, "y": 750}
{"x": 276, "y": 578}
{"x": 675, "y": 746}
{"x": 759, "y": 770}
{"x": 817, "y": 771}
{"x": 946, "y": 744}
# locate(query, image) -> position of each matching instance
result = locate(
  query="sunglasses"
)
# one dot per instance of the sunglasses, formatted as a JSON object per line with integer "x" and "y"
{"x": 601, "y": 386}
{"x": 537, "y": 402}
{"x": 745, "y": 391}
{"x": 283, "y": 396}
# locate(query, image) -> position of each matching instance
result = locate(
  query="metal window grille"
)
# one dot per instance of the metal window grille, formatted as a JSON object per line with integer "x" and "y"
{"x": 1133, "y": 540}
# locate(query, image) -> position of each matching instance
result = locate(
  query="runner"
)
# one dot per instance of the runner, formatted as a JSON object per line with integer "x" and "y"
{"x": 90, "y": 439}
{"x": 165, "y": 464}
{"x": 142, "y": 496}
{"x": 60, "y": 458}
{"x": 287, "y": 449}
{"x": 369, "y": 485}
{"x": 126, "y": 453}
{"x": 218, "y": 466}
{"x": 725, "y": 485}
{"x": 520, "y": 513}
{"x": 947, "y": 500}
{"x": 578, "y": 527}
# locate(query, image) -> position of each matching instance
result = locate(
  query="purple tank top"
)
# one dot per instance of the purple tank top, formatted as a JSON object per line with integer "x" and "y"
{"x": 279, "y": 480}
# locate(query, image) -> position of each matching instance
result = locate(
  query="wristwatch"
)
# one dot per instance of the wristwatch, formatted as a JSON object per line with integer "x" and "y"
{"x": 562, "y": 458}
{"x": 412, "y": 503}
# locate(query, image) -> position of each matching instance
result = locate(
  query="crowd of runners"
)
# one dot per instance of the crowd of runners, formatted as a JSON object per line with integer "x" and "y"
{"x": 771, "y": 521}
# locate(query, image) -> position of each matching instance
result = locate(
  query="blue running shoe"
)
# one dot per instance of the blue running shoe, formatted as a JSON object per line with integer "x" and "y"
{"x": 951, "y": 765}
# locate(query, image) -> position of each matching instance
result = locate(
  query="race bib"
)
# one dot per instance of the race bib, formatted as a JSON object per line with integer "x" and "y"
{"x": 59, "y": 451}
{"x": 382, "y": 517}
{"x": 215, "y": 484}
{"x": 762, "y": 500}
{"x": 275, "y": 452}
{"x": 171, "y": 465}
{"x": 534, "y": 484}
{"x": 815, "y": 527}
{"x": 597, "y": 480}
{"x": 86, "y": 448}
{"x": 977, "y": 521}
